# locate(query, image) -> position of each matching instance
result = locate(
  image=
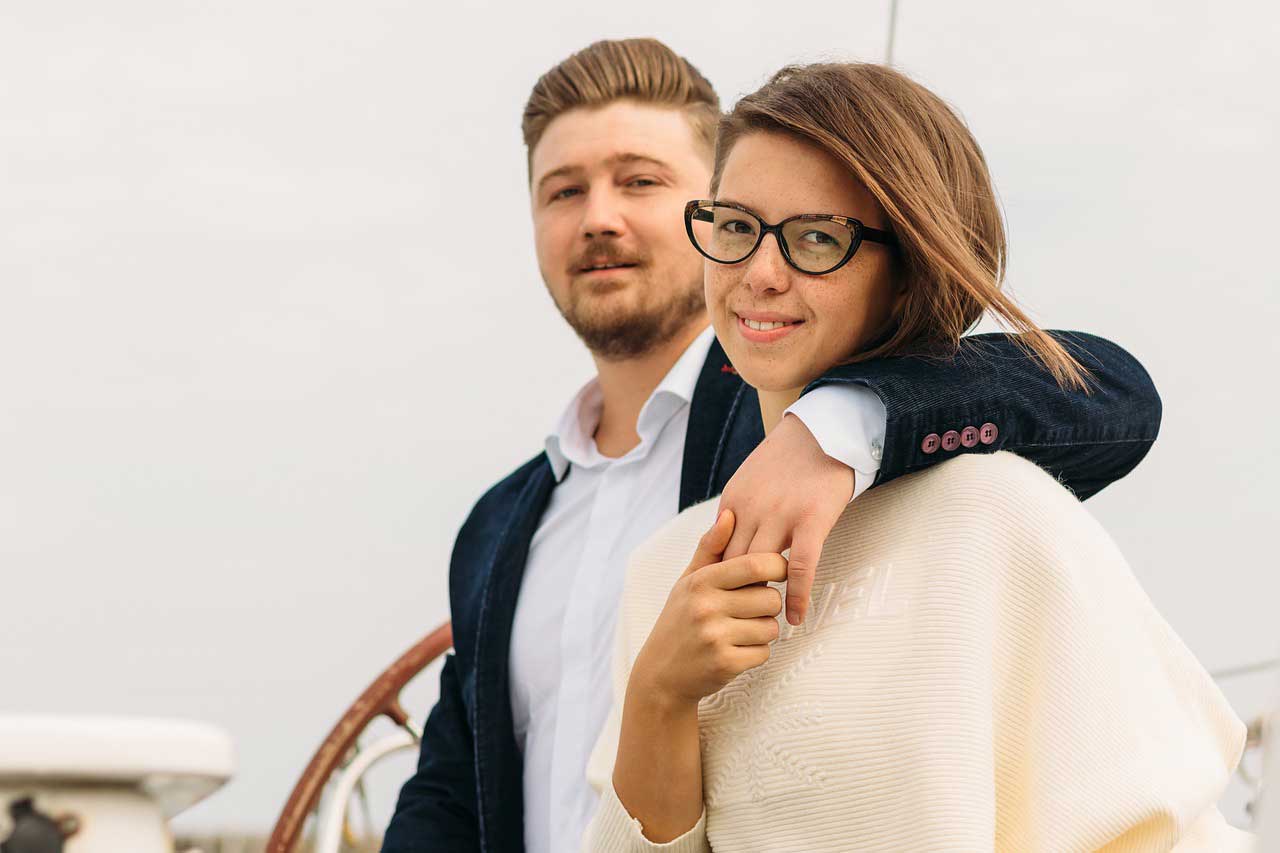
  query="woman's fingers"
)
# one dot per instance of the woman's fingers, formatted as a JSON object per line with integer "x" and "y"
{"x": 759, "y": 631}
{"x": 743, "y": 658}
{"x": 712, "y": 544}
{"x": 749, "y": 602}
{"x": 718, "y": 621}
{"x": 744, "y": 570}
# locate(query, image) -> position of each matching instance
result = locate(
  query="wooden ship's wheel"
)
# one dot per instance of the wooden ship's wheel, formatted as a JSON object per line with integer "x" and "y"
{"x": 338, "y": 764}
{"x": 338, "y": 754}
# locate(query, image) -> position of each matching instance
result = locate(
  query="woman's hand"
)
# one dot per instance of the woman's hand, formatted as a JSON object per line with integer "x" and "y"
{"x": 717, "y": 623}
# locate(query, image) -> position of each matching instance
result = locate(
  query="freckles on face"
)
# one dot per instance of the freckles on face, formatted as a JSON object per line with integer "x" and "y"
{"x": 780, "y": 327}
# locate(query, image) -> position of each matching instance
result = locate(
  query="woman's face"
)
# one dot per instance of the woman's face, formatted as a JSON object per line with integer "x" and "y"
{"x": 828, "y": 317}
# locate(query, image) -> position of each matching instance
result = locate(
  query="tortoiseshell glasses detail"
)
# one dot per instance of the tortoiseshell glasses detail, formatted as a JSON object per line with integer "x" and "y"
{"x": 813, "y": 243}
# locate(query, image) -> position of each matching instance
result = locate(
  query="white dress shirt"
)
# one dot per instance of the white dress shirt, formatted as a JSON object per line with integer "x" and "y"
{"x": 561, "y": 639}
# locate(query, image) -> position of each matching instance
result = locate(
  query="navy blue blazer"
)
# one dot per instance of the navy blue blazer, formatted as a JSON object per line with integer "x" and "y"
{"x": 467, "y": 793}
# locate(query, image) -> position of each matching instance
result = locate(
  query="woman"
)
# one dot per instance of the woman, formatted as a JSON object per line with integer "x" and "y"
{"x": 979, "y": 670}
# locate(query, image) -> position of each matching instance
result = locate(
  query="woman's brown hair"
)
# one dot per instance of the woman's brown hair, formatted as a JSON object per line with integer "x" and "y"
{"x": 921, "y": 163}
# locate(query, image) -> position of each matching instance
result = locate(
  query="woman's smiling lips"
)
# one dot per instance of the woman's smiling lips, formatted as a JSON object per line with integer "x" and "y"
{"x": 765, "y": 327}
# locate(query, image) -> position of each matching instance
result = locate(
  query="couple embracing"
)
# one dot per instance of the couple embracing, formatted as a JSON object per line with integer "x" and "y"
{"x": 737, "y": 603}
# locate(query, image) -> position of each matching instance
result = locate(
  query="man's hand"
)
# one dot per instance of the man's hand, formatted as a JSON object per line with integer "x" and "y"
{"x": 788, "y": 494}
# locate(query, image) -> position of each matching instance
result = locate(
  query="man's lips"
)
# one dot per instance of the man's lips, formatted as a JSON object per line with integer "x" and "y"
{"x": 604, "y": 267}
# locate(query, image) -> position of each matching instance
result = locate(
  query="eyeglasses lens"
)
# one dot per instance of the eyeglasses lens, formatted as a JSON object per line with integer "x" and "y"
{"x": 729, "y": 235}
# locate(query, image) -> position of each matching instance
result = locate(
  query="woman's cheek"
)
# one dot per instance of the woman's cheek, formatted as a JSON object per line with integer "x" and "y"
{"x": 715, "y": 292}
{"x": 837, "y": 332}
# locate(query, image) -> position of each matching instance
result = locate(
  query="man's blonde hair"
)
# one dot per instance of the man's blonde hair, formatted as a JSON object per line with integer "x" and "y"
{"x": 643, "y": 69}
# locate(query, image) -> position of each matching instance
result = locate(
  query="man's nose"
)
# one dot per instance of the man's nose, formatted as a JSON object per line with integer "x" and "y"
{"x": 767, "y": 269}
{"x": 602, "y": 215}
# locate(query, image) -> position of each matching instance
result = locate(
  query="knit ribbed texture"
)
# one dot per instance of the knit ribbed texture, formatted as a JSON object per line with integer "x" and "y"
{"x": 613, "y": 830}
{"x": 979, "y": 670}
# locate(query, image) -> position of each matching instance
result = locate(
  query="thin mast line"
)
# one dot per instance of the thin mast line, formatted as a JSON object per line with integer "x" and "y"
{"x": 893, "y": 29}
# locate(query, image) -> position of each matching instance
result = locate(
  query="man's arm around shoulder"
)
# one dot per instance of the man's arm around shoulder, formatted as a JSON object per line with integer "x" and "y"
{"x": 992, "y": 396}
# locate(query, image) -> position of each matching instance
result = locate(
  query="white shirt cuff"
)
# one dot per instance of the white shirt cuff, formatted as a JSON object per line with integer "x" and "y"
{"x": 849, "y": 424}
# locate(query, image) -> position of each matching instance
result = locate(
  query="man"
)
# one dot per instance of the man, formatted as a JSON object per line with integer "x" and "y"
{"x": 619, "y": 136}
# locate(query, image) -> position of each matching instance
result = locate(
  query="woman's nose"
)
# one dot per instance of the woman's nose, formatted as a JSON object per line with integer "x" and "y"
{"x": 767, "y": 269}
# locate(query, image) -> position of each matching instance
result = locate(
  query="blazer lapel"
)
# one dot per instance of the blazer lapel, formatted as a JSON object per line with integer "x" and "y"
{"x": 724, "y": 426}
{"x": 498, "y": 766}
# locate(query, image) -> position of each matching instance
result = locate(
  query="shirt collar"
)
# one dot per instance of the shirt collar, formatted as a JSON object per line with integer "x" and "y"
{"x": 572, "y": 442}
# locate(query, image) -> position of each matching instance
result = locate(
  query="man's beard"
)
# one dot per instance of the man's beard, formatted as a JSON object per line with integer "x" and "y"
{"x": 621, "y": 334}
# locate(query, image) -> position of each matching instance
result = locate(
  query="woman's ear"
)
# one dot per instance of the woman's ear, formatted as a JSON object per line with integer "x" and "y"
{"x": 899, "y": 296}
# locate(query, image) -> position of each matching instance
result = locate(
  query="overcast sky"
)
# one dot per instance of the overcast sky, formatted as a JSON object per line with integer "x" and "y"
{"x": 254, "y": 368}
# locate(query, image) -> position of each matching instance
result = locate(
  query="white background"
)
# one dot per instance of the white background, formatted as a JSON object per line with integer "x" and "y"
{"x": 270, "y": 319}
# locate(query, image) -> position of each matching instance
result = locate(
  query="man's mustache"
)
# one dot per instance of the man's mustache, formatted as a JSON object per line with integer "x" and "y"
{"x": 604, "y": 255}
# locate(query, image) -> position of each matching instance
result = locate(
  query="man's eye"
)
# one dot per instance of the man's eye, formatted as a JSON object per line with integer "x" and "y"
{"x": 564, "y": 193}
{"x": 642, "y": 182}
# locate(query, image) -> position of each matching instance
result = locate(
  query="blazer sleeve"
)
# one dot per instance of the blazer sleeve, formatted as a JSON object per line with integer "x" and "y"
{"x": 1086, "y": 440}
{"x": 437, "y": 806}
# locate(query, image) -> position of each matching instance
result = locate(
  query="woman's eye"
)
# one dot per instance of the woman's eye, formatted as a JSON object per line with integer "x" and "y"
{"x": 737, "y": 226}
{"x": 820, "y": 238}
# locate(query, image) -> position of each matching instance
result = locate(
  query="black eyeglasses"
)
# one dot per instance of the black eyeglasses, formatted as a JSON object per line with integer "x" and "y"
{"x": 813, "y": 243}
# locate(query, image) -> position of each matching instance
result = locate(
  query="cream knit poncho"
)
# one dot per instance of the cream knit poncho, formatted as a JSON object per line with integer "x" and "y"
{"x": 979, "y": 671}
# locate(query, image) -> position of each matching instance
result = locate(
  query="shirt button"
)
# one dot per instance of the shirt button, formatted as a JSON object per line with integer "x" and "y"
{"x": 969, "y": 436}
{"x": 950, "y": 440}
{"x": 930, "y": 443}
{"x": 988, "y": 433}
{"x": 877, "y": 450}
